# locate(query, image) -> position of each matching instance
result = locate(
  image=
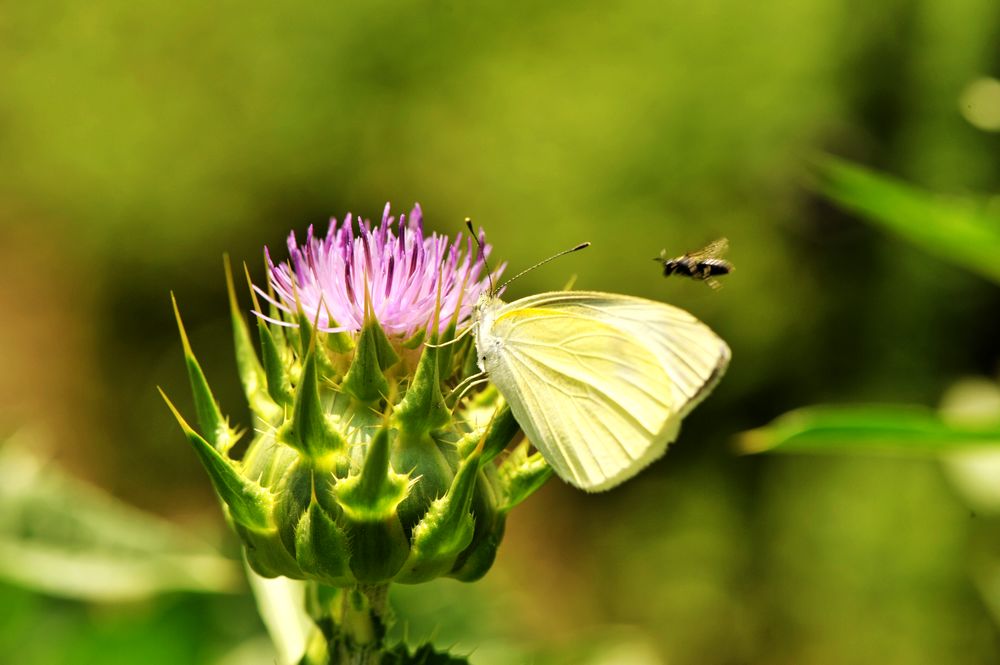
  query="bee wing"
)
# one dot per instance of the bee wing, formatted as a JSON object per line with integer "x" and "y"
{"x": 713, "y": 250}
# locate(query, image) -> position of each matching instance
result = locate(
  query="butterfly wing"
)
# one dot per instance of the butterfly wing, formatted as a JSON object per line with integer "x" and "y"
{"x": 599, "y": 382}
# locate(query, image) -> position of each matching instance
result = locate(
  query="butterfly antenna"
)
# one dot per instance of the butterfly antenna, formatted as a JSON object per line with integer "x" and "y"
{"x": 582, "y": 245}
{"x": 482, "y": 254}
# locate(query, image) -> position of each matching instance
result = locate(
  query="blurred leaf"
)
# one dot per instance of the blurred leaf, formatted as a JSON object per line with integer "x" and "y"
{"x": 193, "y": 629}
{"x": 893, "y": 429}
{"x": 66, "y": 538}
{"x": 976, "y": 476}
{"x": 257, "y": 650}
{"x": 975, "y": 473}
{"x": 281, "y": 602}
{"x": 985, "y": 571}
{"x": 958, "y": 230}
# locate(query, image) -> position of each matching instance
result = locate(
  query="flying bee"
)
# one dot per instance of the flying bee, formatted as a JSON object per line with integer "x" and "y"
{"x": 704, "y": 264}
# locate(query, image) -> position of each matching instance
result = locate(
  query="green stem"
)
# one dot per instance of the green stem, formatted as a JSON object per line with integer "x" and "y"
{"x": 361, "y": 625}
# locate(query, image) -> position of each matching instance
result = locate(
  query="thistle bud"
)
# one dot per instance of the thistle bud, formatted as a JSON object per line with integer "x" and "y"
{"x": 370, "y": 463}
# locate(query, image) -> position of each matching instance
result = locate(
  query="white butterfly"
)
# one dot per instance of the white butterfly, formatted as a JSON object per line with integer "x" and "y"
{"x": 599, "y": 382}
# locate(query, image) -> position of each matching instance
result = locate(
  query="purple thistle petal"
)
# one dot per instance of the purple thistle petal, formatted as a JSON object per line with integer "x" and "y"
{"x": 404, "y": 270}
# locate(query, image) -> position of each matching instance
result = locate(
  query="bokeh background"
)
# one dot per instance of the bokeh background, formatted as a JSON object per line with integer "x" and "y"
{"x": 140, "y": 141}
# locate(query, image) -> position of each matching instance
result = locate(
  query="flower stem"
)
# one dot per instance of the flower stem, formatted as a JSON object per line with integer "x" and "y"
{"x": 361, "y": 625}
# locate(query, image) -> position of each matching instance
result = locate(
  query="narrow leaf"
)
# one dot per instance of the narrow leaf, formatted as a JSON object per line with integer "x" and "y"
{"x": 899, "y": 429}
{"x": 958, "y": 230}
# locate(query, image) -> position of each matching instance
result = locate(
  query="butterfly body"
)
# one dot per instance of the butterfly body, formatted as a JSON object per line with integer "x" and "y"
{"x": 599, "y": 382}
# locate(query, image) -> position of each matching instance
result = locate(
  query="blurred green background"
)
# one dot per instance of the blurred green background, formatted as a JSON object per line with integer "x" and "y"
{"x": 140, "y": 141}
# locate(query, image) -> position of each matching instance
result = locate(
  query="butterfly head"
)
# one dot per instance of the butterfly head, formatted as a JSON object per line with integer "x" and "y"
{"x": 484, "y": 313}
{"x": 482, "y": 325}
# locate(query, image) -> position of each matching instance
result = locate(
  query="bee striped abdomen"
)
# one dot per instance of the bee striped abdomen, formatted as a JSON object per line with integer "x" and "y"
{"x": 702, "y": 265}
{"x": 713, "y": 267}
{"x": 697, "y": 269}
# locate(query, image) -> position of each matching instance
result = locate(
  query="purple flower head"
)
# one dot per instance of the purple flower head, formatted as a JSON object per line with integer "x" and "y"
{"x": 401, "y": 268}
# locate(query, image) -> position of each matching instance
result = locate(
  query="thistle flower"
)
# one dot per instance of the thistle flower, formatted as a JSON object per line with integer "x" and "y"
{"x": 368, "y": 466}
{"x": 406, "y": 276}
